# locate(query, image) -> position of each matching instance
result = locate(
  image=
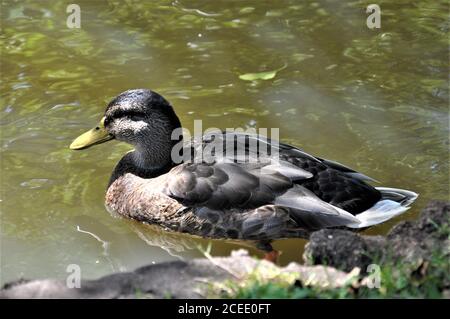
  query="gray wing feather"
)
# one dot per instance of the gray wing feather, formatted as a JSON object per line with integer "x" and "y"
{"x": 311, "y": 212}
{"x": 230, "y": 185}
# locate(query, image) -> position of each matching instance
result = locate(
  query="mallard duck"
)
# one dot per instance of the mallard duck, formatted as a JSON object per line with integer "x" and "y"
{"x": 259, "y": 200}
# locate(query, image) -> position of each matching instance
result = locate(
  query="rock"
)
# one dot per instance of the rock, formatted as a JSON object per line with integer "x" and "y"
{"x": 197, "y": 278}
{"x": 410, "y": 242}
{"x": 416, "y": 241}
{"x": 342, "y": 249}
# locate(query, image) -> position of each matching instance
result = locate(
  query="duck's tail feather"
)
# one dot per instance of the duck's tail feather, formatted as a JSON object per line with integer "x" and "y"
{"x": 393, "y": 202}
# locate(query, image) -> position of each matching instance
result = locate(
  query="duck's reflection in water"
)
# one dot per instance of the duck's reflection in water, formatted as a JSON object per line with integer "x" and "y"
{"x": 186, "y": 246}
{"x": 127, "y": 248}
{"x": 175, "y": 244}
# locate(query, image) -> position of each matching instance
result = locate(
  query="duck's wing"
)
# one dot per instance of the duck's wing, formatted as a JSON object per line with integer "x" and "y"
{"x": 226, "y": 185}
{"x": 230, "y": 188}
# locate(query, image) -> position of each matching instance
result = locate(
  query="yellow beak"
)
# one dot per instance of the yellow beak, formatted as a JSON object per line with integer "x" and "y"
{"x": 97, "y": 135}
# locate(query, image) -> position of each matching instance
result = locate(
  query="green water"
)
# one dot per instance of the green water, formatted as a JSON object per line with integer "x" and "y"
{"x": 375, "y": 100}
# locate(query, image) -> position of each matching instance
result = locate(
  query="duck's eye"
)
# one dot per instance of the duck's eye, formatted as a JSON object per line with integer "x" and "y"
{"x": 106, "y": 122}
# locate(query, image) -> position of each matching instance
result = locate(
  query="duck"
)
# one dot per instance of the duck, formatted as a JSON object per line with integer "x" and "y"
{"x": 166, "y": 180}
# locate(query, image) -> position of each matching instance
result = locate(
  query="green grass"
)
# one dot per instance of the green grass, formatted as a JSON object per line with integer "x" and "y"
{"x": 429, "y": 280}
{"x": 258, "y": 290}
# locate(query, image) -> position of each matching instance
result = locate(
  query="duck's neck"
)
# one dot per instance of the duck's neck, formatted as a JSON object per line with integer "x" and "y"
{"x": 133, "y": 163}
{"x": 151, "y": 156}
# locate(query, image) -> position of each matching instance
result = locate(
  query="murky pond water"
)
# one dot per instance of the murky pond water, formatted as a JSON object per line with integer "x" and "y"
{"x": 375, "y": 100}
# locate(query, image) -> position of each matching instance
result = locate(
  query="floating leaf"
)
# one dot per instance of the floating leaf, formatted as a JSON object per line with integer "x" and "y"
{"x": 267, "y": 75}
{"x": 258, "y": 76}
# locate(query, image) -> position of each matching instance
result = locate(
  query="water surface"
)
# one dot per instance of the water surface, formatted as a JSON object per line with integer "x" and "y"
{"x": 375, "y": 100}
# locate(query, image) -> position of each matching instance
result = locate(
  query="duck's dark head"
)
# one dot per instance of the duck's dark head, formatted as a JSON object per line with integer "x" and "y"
{"x": 140, "y": 117}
